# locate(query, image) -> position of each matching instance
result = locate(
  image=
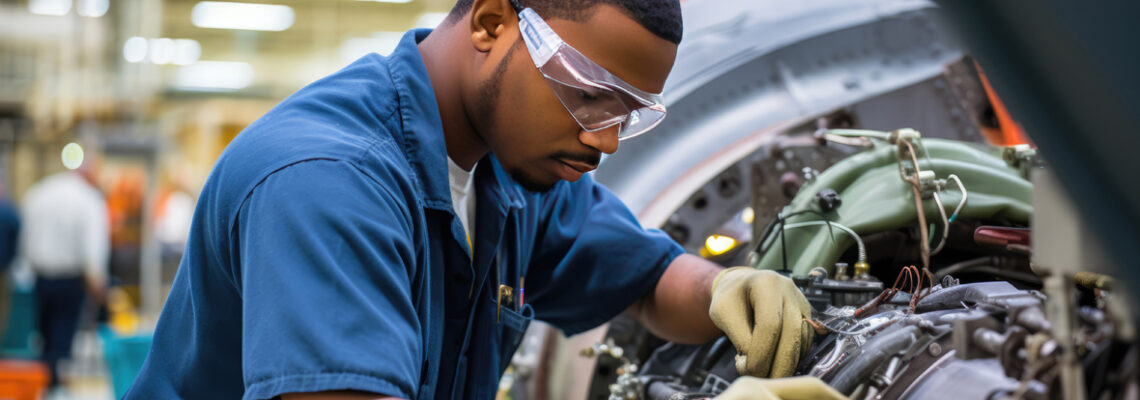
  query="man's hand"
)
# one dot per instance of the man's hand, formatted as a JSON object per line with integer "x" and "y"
{"x": 763, "y": 315}
{"x": 800, "y": 387}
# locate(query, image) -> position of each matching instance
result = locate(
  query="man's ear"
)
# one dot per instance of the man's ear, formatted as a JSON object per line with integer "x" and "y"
{"x": 489, "y": 19}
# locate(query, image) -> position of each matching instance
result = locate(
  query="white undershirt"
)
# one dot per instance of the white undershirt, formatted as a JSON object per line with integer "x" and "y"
{"x": 462, "y": 196}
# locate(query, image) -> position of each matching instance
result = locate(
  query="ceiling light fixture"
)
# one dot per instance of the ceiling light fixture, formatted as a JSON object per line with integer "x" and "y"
{"x": 162, "y": 51}
{"x": 93, "y": 8}
{"x": 243, "y": 16}
{"x": 134, "y": 50}
{"x": 49, "y": 7}
{"x": 186, "y": 51}
{"x": 214, "y": 76}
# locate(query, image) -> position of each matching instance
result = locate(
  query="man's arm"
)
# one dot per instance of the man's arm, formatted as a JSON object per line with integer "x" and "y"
{"x": 762, "y": 313}
{"x": 678, "y": 309}
{"x": 322, "y": 235}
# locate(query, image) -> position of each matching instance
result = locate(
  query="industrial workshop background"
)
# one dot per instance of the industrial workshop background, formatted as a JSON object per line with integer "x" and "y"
{"x": 123, "y": 106}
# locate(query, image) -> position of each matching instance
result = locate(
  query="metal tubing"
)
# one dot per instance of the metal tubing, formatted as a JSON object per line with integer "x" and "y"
{"x": 874, "y": 353}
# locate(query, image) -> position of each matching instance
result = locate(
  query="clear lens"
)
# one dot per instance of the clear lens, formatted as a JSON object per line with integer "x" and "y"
{"x": 640, "y": 121}
{"x": 597, "y": 102}
{"x": 593, "y": 108}
{"x": 595, "y": 98}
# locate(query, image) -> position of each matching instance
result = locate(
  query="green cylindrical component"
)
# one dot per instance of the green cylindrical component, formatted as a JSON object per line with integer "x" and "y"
{"x": 876, "y": 198}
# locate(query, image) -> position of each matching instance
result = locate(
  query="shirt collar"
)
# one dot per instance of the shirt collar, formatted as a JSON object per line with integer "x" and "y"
{"x": 422, "y": 134}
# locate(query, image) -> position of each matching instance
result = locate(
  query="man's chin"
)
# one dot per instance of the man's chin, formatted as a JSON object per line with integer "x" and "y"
{"x": 534, "y": 184}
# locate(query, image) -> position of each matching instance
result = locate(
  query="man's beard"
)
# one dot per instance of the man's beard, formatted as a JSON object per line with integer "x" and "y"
{"x": 489, "y": 104}
{"x": 529, "y": 183}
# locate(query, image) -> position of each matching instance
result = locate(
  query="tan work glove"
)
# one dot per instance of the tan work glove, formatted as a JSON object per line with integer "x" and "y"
{"x": 763, "y": 315}
{"x": 800, "y": 387}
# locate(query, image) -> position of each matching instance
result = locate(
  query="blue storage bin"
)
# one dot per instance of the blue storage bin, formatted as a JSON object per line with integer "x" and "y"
{"x": 19, "y": 338}
{"x": 125, "y": 356}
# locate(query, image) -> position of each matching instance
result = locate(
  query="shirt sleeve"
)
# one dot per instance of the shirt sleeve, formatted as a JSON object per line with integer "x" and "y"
{"x": 593, "y": 259}
{"x": 326, "y": 265}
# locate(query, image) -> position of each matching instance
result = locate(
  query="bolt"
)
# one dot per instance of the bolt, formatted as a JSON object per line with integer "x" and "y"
{"x": 935, "y": 349}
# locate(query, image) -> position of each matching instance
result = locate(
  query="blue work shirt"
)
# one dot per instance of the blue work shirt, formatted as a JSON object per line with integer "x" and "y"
{"x": 325, "y": 254}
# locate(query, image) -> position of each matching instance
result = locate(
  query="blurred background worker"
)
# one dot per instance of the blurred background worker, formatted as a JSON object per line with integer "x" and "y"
{"x": 66, "y": 242}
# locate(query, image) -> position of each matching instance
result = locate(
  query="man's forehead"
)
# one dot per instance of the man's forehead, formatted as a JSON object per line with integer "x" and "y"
{"x": 620, "y": 45}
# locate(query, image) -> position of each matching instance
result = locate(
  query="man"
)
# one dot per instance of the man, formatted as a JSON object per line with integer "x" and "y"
{"x": 391, "y": 230}
{"x": 66, "y": 241}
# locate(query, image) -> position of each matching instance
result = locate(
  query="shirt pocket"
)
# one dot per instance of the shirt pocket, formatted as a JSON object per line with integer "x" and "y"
{"x": 513, "y": 328}
{"x": 494, "y": 343}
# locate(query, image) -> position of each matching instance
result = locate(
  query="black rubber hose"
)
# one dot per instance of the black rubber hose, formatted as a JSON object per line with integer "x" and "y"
{"x": 715, "y": 352}
{"x": 964, "y": 265}
{"x": 875, "y": 352}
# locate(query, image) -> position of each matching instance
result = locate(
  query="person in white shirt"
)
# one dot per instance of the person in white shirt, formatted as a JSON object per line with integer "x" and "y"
{"x": 66, "y": 241}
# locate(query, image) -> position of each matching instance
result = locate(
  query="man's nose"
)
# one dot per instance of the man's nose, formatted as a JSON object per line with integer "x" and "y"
{"x": 605, "y": 140}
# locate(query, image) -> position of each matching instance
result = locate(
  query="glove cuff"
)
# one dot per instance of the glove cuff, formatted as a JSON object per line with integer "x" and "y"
{"x": 724, "y": 272}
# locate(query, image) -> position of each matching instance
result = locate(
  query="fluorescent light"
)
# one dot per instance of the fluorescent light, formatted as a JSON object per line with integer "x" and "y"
{"x": 49, "y": 7}
{"x": 93, "y": 8}
{"x": 431, "y": 19}
{"x": 246, "y": 16}
{"x": 162, "y": 51}
{"x": 186, "y": 51}
{"x": 390, "y": 1}
{"x": 214, "y": 76}
{"x": 134, "y": 50}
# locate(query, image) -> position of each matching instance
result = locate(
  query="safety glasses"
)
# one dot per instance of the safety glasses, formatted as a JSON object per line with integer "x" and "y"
{"x": 596, "y": 98}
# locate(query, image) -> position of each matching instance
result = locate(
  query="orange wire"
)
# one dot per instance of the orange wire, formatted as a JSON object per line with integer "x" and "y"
{"x": 929, "y": 277}
{"x": 904, "y": 277}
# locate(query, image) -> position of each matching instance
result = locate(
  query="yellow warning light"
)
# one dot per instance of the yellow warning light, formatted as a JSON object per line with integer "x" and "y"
{"x": 747, "y": 215}
{"x": 716, "y": 245}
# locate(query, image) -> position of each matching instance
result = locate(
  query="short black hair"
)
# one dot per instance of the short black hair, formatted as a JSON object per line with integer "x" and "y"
{"x": 661, "y": 17}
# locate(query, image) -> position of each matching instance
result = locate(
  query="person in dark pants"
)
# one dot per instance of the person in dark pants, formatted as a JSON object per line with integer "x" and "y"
{"x": 59, "y": 302}
{"x": 66, "y": 241}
